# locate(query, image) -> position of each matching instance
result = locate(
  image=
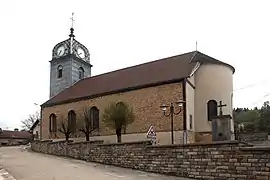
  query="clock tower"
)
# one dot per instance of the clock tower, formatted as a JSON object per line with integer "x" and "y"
{"x": 70, "y": 63}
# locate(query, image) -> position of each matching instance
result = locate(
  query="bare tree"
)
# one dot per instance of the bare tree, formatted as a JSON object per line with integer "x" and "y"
{"x": 86, "y": 124}
{"x": 65, "y": 128}
{"x": 32, "y": 118}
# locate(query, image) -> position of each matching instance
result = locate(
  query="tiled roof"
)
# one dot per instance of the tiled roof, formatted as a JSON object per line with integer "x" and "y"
{"x": 6, "y": 134}
{"x": 152, "y": 73}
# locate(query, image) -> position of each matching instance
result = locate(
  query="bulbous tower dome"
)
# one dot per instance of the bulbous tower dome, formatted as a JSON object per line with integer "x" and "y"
{"x": 71, "y": 46}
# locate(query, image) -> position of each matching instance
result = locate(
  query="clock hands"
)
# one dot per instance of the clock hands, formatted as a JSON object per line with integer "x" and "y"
{"x": 59, "y": 52}
{"x": 79, "y": 52}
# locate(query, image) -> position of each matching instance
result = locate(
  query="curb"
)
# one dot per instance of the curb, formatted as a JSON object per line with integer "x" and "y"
{"x": 4, "y": 175}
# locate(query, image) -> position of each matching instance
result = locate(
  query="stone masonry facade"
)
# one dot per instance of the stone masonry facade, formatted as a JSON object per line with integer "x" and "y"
{"x": 145, "y": 103}
{"x": 220, "y": 160}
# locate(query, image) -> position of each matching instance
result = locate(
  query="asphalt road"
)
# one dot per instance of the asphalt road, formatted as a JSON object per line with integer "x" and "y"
{"x": 34, "y": 166}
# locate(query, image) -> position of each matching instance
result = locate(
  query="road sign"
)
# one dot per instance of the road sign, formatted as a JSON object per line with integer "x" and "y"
{"x": 151, "y": 133}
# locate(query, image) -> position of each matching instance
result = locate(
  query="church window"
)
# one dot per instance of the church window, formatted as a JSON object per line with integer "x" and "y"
{"x": 53, "y": 123}
{"x": 94, "y": 116}
{"x": 72, "y": 120}
{"x": 60, "y": 71}
{"x": 211, "y": 109}
{"x": 81, "y": 73}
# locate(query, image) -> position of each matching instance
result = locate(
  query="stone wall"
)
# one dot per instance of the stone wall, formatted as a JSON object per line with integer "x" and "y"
{"x": 220, "y": 160}
{"x": 250, "y": 137}
{"x": 13, "y": 142}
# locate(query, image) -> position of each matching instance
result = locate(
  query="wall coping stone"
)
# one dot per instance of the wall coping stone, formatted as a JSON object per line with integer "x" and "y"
{"x": 64, "y": 141}
{"x": 255, "y": 148}
{"x": 251, "y": 133}
{"x": 86, "y": 142}
{"x": 43, "y": 141}
{"x": 197, "y": 144}
{"x": 147, "y": 142}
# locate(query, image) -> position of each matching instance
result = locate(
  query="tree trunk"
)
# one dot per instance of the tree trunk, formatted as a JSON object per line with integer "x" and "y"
{"x": 118, "y": 134}
{"x": 87, "y": 137}
{"x": 125, "y": 129}
{"x": 68, "y": 135}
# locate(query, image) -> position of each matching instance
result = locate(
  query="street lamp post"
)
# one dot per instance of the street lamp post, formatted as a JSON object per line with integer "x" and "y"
{"x": 171, "y": 113}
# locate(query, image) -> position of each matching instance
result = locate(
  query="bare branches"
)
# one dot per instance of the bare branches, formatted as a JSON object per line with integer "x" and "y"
{"x": 32, "y": 118}
{"x": 86, "y": 124}
{"x": 64, "y": 128}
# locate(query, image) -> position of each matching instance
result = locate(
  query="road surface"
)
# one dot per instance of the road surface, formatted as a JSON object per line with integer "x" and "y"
{"x": 34, "y": 166}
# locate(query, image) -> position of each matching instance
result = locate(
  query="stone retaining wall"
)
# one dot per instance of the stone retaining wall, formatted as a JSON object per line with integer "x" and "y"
{"x": 219, "y": 160}
{"x": 251, "y": 137}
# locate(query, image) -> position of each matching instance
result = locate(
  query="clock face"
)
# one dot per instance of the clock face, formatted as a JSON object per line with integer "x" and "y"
{"x": 81, "y": 53}
{"x": 61, "y": 51}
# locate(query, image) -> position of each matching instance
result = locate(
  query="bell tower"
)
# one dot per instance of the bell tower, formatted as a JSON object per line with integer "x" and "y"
{"x": 70, "y": 63}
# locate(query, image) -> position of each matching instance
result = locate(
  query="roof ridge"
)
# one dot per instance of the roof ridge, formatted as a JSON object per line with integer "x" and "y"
{"x": 129, "y": 67}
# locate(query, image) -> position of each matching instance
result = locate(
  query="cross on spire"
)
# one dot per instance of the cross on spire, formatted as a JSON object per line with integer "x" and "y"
{"x": 220, "y": 107}
{"x": 72, "y": 24}
{"x": 72, "y": 20}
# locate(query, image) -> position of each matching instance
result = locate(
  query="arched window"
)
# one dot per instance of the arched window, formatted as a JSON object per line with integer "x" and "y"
{"x": 59, "y": 71}
{"x": 211, "y": 109}
{"x": 53, "y": 123}
{"x": 81, "y": 73}
{"x": 72, "y": 120}
{"x": 94, "y": 116}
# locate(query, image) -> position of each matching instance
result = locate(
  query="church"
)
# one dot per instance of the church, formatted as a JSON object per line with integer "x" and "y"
{"x": 197, "y": 81}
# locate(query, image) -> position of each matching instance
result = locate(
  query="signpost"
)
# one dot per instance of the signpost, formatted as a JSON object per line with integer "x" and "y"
{"x": 151, "y": 134}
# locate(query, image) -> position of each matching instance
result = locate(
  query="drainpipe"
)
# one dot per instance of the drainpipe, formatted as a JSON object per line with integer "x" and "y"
{"x": 184, "y": 112}
{"x": 40, "y": 124}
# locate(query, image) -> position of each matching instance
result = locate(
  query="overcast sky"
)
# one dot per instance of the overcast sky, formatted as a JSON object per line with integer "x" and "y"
{"x": 124, "y": 33}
